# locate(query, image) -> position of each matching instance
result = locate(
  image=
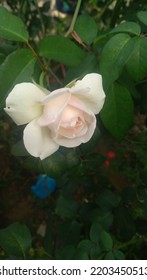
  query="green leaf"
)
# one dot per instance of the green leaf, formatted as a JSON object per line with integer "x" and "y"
{"x": 129, "y": 196}
{"x": 95, "y": 231}
{"x": 128, "y": 82}
{"x": 2, "y": 58}
{"x": 18, "y": 67}
{"x": 16, "y": 240}
{"x": 83, "y": 249}
{"x": 117, "y": 113}
{"x": 114, "y": 56}
{"x": 66, "y": 207}
{"x": 95, "y": 252}
{"x": 81, "y": 255}
{"x": 142, "y": 15}
{"x": 61, "y": 49}
{"x": 89, "y": 33}
{"x": 68, "y": 232}
{"x": 124, "y": 223}
{"x": 109, "y": 256}
{"x": 7, "y": 47}
{"x": 72, "y": 158}
{"x": 137, "y": 62}
{"x": 12, "y": 27}
{"x": 102, "y": 216}
{"x": 143, "y": 101}
{"x": 66, "y": 253}
{"x": 108, "y": 199}
{"x": 87, "y": 65}
{"x": 119, "y": 255}
{"x": 106, "y": 240}
{"x": 86, "y": 245}
{"x": 53, "y": 166}
{"x": 129, "y": 27}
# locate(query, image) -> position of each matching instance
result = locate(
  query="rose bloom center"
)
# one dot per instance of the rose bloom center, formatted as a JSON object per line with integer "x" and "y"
{"x": 71, "y": 122}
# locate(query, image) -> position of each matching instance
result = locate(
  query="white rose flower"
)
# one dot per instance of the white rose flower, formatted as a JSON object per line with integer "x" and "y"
{"x": 63, "y": 117}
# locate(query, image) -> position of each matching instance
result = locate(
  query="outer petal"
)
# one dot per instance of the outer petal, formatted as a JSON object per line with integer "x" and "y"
{"x": 95, "y": 97}
{"x": 38, "y": 141}
{"x": 54, "y": 94}
{"x": 56, "y": 102}
{"x": 22, "y": 103}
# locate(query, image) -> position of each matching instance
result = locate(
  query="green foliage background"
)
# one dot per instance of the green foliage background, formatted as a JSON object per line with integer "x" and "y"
{"x": 98, "y": 211}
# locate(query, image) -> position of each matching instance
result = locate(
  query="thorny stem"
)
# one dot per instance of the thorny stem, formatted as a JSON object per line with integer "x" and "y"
{"x": 37, "y": 57}
{"x": 43, "y": 67}
{"x": 55, "y": 76}
{"x": 74, "y": 18}
{"x": 66, "y": 35}
{"x": 128, "y": 243}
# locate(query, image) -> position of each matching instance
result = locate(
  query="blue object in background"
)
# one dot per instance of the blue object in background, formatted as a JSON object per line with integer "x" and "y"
{"x": 67, "y": 7}
{"x": 44, "y": 186}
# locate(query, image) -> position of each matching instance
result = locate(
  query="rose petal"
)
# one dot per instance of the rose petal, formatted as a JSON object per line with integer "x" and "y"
{"x": 95, "y": 97}
{"x": 55, "y": 93}
{"x": 70, "y": 115}
{"x": 38, "y": 141}
{"x": 74, "y": 142}
{"x": 22, "y": 103}
{"x": 57, "y": 101}
{"x": 77, "y": 103}
{"x": 70, "y": 133}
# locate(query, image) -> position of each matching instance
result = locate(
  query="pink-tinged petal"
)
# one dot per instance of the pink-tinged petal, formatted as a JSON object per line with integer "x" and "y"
{"x": 55, "y": 93}
{"x": 70, "y": 115}
{"x": 23, "y": 103}
{"x": 77, "y": 103}
{"x": 54, "y": 107}
{"x": 71, "y": 132}
{"x": 79, "y": 139}
{"x": 38, "y": 141}
{"x": 94, "y": 97}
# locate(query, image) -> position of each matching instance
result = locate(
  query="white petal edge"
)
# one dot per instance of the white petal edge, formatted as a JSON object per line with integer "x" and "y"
{"x": 38, "y": 141}
{"x": 95, "y": 97}
{"x": 23, "y": 103}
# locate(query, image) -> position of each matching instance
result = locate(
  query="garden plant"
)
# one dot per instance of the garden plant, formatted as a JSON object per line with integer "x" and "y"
{"x": 73, "y": 100}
